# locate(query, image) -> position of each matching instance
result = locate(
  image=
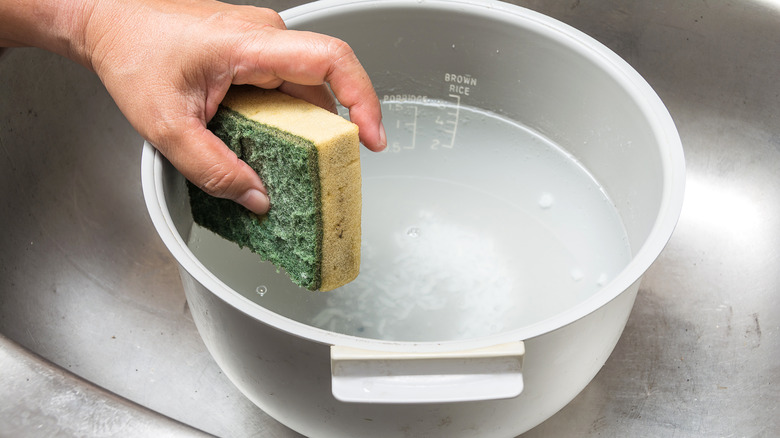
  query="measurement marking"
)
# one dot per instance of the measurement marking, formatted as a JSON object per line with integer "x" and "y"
{"x": 454, "y": 123}
{"x": 414, "y": 129}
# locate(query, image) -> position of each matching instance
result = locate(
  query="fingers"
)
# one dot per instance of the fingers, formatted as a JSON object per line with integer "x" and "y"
{"x": 353, "y": 88}
{"x": 309, "y": 59}
{"x": 205, "y": 160}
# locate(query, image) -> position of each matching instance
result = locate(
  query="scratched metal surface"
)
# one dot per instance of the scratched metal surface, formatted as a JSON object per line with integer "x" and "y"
{"x": 89, "y": 295}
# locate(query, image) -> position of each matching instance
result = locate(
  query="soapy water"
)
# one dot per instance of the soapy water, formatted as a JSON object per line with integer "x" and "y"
{"x": 498, "y": 230}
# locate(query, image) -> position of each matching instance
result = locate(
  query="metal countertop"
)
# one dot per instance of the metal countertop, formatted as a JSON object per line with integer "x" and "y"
{"x": 97, "y": 338}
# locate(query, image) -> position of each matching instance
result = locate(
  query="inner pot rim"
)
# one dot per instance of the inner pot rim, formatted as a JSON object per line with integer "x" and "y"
{"x": 658, "y": 117}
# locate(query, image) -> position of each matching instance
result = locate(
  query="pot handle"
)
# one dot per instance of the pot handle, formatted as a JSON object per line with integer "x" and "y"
{"x": 369, "y": 376}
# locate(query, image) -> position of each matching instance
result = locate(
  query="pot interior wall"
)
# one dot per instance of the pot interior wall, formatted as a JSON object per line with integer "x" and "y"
{"x": 524, "y": 70}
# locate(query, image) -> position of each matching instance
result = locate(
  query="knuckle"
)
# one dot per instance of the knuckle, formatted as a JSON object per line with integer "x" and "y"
{"x": 271, "y": 17}
{"x": 342, "y": 58}
{"x": 246, "y": 18}
{"x": 219, "y": 180}
{"x": 339, "y": 49}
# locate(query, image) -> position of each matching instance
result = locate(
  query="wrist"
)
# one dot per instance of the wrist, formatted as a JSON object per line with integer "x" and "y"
{"x": 54, "y": 25}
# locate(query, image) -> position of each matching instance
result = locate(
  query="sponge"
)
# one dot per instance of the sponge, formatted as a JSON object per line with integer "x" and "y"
{"x": 309, "y": 161}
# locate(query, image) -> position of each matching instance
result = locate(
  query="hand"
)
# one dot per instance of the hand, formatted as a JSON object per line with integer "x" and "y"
{"x": 168, "y": 64}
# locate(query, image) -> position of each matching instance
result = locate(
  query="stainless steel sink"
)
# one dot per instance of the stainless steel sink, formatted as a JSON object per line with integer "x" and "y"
{"x": 96, "y": 335}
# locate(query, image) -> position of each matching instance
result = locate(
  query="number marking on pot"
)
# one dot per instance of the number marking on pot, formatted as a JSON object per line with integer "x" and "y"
{"x": 455, "y": 117}
{"x": 419, "y": 121}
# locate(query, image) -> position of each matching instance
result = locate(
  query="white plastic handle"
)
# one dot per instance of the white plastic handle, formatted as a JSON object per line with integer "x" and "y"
{"x": 368, "y": 376}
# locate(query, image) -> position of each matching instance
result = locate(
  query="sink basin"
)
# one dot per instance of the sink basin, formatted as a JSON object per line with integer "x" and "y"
{"x": 96, "y": 336}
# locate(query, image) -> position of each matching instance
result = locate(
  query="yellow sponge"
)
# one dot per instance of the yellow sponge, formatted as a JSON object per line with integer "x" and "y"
{"x": 309, "y": 160}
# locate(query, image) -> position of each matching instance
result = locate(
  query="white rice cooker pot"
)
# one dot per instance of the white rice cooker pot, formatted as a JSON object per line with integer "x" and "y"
{"x": 504, "y": 60}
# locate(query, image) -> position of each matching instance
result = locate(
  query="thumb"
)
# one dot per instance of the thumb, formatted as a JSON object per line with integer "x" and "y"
{"x": 209, "y": 164}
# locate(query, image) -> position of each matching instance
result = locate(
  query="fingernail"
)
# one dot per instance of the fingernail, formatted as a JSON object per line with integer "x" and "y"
{"x": 382, "y": 136}
{"x": 255, "y": 201}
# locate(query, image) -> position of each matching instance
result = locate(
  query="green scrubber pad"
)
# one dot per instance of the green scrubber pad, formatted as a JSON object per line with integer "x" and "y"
{"x": 291, "y": 234}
